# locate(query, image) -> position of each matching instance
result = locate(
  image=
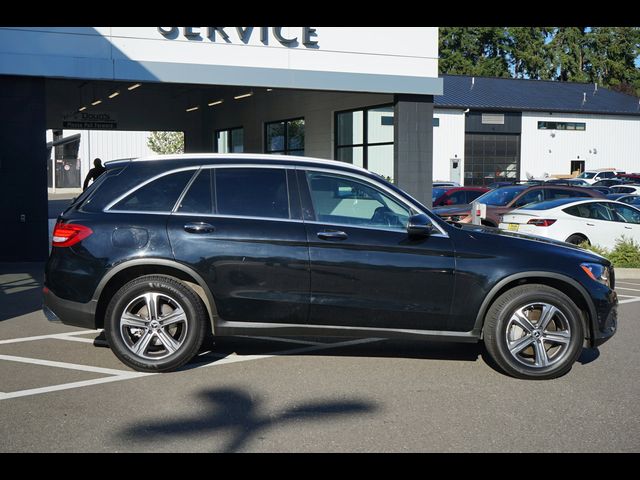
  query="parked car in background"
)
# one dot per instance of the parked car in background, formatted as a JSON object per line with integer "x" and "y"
{"x": 625, "y": 198}
{"x": 610, "y": 182}
{"x": 592, "y": 176}
{"x": 597, "y": 222}
{"x": 630, "y": 177}
{"x": 456, "y": 195}
{"x": 495, "y": 185}
{"x": 628, "y": 189}
{"x": 505, "y": 199}
{"x": 603, "y": 190}
{"x": 576, "y": 182}
{"x": 163, "y": 251}
{"x": 440, "y": 183}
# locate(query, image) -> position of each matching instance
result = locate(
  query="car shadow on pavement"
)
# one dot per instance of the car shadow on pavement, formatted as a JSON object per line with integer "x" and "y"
{"x": 20, "y": 288}
{"x": 376, "y": 348}
{"x": 238, "y": 416}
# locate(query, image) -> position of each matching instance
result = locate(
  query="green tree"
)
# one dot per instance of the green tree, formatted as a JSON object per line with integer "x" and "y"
{"x": 568, "y": 52}
{"x": 612, "y": 55}
{"x": 529, "y": 54}
{"x": 166, "y": 142}
{"x": 478, "y": 51}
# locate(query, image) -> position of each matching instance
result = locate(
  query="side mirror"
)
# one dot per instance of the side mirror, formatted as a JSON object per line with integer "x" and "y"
{"x": 419, "y": 226}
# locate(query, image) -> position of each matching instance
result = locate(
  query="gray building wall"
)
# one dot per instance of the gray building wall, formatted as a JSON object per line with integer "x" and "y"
{"x": 317, "y": 108}
{"x": 23, "y": 170}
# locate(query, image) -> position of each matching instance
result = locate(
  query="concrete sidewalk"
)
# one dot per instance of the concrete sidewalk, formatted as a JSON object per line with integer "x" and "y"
{"x": 627, "y": 273}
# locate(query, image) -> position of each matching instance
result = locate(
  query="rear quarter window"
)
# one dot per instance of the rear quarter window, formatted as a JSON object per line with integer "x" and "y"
{"x": 159, "y": 195}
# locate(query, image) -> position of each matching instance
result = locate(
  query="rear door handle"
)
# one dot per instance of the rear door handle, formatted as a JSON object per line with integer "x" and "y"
{"x": 199, "y": 227}
{"x": 591, "y": 224}
{"x": 332, "y": 235}
{"x": 628, "y": 228}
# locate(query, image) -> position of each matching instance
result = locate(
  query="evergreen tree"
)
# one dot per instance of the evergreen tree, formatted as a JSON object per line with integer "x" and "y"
{"x": 568, "y": 49}
{"x": 612, "y": 55}
{"x": 474, "y": 51}
{"x": 529, "y": 53}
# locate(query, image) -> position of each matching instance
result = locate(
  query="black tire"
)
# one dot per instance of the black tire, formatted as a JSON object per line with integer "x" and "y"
{"x": 577, "y": 239}
{"x": 544, "y": 353}
{"x": 164, "y": 347}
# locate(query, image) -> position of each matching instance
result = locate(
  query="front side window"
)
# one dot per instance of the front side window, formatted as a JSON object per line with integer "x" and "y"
{"x": 553, "y": 194}
{"x": 252, "y": 192}
{"x": 622, "y": 213}
{"x": 532, "y": 196}
{"x": 344, "y": 201}
{"x": 159, "y": 195}
{"x": 285, "y": 137}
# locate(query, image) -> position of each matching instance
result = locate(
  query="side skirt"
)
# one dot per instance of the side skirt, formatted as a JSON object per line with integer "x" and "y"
{"x": 224, "y": 328}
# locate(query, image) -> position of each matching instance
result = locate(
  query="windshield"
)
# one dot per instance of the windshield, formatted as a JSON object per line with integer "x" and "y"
{"x": 500, "y": 196}
{"x": 587, "y": 175}
{"x": 437, "y": 192}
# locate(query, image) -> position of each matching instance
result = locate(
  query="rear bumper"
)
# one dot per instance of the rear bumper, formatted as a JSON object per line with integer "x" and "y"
{"x": 78, "y": 314}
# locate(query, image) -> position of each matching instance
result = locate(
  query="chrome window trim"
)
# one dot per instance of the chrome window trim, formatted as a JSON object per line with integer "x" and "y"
{"x": 140, "y": 185}
{"x": 311, "y": 167}
{"x": 236, "y": 217}
{"x": 185, "y": 190}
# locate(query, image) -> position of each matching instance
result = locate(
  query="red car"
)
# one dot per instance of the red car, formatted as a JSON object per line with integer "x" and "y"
{"x": 446, "y": 196}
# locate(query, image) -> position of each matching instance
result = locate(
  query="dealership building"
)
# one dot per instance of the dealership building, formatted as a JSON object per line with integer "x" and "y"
{"x": 370, "y": 96}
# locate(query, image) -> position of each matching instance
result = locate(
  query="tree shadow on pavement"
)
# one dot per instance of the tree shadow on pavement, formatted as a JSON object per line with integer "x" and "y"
{"x": 237, "y": 413}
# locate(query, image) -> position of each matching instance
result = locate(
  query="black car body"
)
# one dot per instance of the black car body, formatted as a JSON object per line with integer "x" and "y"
{"x": 285, "y": 246}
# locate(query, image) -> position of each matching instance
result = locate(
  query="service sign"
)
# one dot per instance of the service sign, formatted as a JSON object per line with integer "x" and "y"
{"x": 90, "y": 121}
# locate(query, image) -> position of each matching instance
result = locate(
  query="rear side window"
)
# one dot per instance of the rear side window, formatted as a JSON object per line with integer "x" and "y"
{"x": 531, "y": 196}
{"x": 472, "y": 195}
{"x": 199, "y": 197}
{"x": 595, "y": 211}
{"x": 252, "y": 192}
{"x": 159, "y": 195}
{"x": 554, "y": 194}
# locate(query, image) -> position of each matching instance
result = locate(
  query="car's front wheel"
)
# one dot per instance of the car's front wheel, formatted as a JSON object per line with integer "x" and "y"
{"x": 155, "y": 323}
{"x": 534, "y": 332}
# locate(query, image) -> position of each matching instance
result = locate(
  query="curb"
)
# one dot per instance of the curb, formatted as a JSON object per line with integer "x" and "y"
{"x": 627, "y": 273}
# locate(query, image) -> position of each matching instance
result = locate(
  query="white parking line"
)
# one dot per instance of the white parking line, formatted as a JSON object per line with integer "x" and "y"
{"x": 118, "y": 375}
{"x": 627, "y": 288}
{"x": 70, "y": 366}
{"x": 58, "y": 336}
{"x": 629, "y": 300}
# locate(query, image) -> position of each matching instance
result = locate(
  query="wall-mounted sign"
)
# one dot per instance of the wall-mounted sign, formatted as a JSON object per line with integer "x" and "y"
{"x": 90, "y": 121}
{"x": 305, "y": 35}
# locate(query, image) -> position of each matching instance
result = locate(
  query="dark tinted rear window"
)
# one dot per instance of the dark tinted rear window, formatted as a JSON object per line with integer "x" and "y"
{"x": 252, "y": 192}
{"x": 159, "y": 195}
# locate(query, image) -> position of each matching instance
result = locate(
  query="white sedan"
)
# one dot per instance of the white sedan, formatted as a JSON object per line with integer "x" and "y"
{"x": 599, "y": 222}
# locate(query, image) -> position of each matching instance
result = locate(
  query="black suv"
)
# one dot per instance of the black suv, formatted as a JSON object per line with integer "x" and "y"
{"x": 163, "y": 251}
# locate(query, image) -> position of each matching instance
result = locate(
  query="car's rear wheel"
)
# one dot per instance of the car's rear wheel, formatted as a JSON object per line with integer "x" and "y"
{"x": 155, "y": 323}
{"x": 534, "y": 332}
{"x": 577, "y": 239}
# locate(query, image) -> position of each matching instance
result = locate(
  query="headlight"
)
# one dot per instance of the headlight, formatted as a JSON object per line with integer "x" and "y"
{"x": 597, "y": 272}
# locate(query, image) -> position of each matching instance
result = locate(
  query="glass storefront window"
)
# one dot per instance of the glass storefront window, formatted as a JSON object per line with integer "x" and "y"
{"x": 364, "y": 137}
{"x": 230, "y": 140}
{"x": 285, "y": 137}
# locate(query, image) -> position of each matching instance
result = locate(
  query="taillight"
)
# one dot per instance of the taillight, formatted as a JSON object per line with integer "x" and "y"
{"x": 541, "y": 222}
{"x": 67, "y": 234}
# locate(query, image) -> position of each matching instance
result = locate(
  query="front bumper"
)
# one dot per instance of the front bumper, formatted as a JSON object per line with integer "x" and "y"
{"x": 78, "y": 314}
{"x": 606, "y": 323}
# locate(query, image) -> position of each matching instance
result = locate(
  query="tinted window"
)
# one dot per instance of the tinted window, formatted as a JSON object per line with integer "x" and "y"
{"x": 500, "y": 196}
{"x": 198, "y": 198}
{"x": 252, "y": 192}
{"x": 456, "y": 198}
{"x": 622, "y": 213}
{"x": 532, "y": 196}
{"x": 595, "y": 211}
{"x": 553, "y": 194}
{"x": 631, "y": 199}
{"x": 472, "y": 195}
{"x": 341, "y": 200}
{"x": 437, "y": 192}
{"x": 157, "y": 196}
{"x": 622, "y": 190}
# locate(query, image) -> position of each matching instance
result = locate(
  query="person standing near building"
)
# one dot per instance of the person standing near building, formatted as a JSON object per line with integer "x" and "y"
{"x": 94, "y": 173}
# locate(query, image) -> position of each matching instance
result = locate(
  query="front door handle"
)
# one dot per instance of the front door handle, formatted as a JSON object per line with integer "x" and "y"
{"x": 590, "y": 224}
{"x": 628, "y": 228}
{"x": 199, "y": 227}
{"x": 332, "y": 235}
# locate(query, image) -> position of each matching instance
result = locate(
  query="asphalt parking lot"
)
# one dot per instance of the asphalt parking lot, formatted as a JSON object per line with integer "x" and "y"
{"x": 60, "y": 393}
